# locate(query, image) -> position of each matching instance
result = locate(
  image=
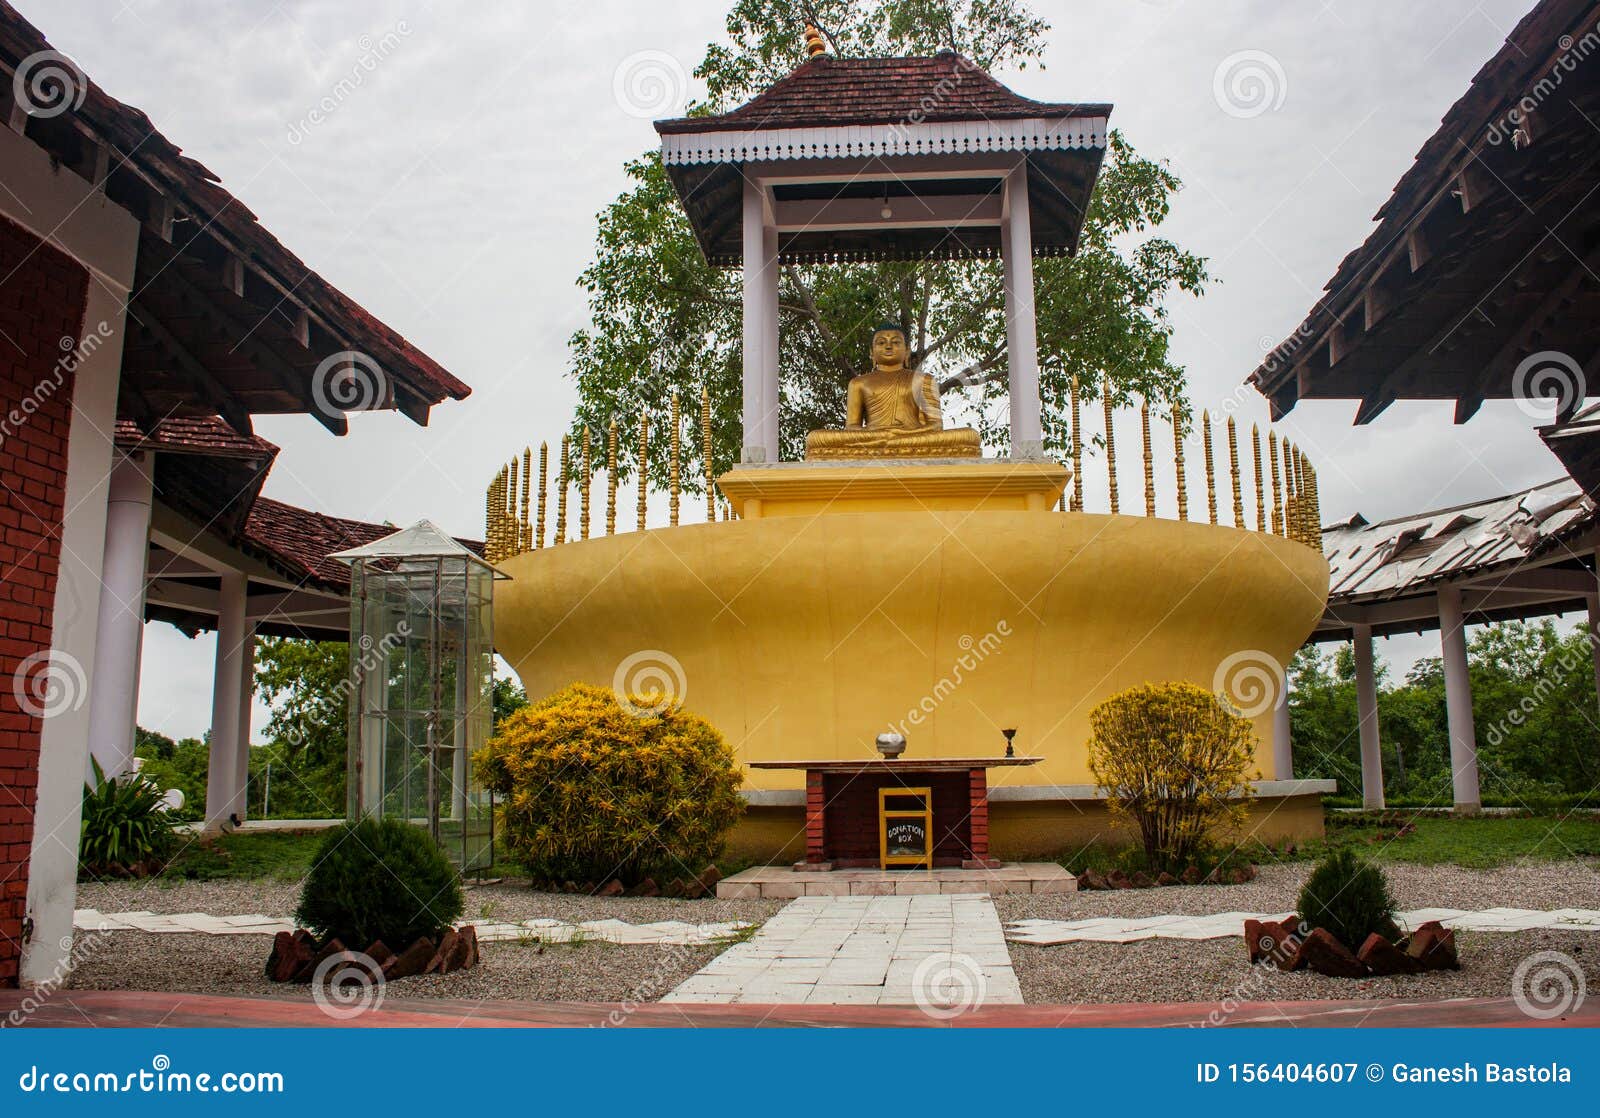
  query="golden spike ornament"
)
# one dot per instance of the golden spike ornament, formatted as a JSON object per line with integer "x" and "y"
{"x": 544, "y": 486}
{"x": 561, "y": 489}
{"x": 1149, "y": 460}
{"x": 672, "y": 469}
{"x": 1277, "y": 490}
{"x": 511, "y": 505}
{"x": 644, "y": 458}
{"x": 1077, "y": 449}
{"x": 1177, "y": 460}
{"x": 1111, "y": 444}
{"x": 1314, "y": 507}
{"x": 1261, "y": 496}
{"x": 1233, "y": 473}
{"x": 1211, "y": 471}
{"x": 611, "y": 479}
{"x": 706, "y": 452}
{"x": 488, "y": 522}
{"x": 525, "y": 533}
{"x": 1291, "y": 497}
{"x": 584, "y": 481}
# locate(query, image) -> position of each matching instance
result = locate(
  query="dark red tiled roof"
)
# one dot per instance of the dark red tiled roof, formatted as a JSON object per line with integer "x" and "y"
{"x": 302, "y": 540}
{"x": 137, "y": 139}
{"x": 209, "y": 435}
{"x": 830, "y": 91}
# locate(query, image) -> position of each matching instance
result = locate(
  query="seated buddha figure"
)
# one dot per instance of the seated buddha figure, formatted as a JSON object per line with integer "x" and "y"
{"x": 893, "y": 412}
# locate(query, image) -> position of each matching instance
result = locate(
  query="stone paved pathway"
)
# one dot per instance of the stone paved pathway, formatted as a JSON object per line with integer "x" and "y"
{"x": 944, "y": 952}
{"x": 546, "y": 930}
{"x": 1111, "y": 929}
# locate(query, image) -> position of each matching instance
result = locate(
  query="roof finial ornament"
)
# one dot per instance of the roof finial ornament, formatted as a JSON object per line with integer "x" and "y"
{"x": 814, "y": 42}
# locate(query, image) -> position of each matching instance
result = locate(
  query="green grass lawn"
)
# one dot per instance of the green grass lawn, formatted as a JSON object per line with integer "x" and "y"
{"x": 274, "y": 856}
{"x": 1480, "y": 842}
{"x": 256, "y": 855}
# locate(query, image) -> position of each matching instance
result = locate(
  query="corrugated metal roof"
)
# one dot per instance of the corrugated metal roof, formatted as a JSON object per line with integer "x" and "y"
{"x": 1394, "y": 557}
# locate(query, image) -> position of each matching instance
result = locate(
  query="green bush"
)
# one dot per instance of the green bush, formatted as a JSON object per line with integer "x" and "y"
{"x": 1176, "y": 762}
{"x": 379, "y": 879}
{"x": 127, "y": 830}
{"x": 1348, "y": 897}
{"x": 594, "y": 791}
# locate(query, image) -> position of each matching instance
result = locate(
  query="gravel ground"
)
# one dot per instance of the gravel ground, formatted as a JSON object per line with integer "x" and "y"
{"x": 1217, "y": 971}
{"x": 510, "y": 902}
{"x": 1538, "y": 885}
{"x": 598, "y": 972}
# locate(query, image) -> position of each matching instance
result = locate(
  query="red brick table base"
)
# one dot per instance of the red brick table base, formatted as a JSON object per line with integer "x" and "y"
{"x": 842, "y": 816}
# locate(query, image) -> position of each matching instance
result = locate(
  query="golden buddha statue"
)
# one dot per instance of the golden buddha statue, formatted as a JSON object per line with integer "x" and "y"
{"x": 893, "y": 412}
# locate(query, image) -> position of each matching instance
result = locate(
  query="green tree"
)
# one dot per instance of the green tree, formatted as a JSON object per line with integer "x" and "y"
{"x": 662, "y": 319}
{"x": 307, "y": 684}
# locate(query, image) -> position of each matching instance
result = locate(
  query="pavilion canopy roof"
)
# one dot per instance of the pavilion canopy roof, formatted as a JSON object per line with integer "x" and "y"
{"x": 897, "y": 130}
{"x": 224, "y": 319}
{"x": 1577, "y": 443}
{"x": 1486, "y": 253}
{"x": 1520, "y": 555}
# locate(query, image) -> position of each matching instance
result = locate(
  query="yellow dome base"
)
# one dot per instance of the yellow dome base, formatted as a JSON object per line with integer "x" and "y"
{"x": 807, "y": 634}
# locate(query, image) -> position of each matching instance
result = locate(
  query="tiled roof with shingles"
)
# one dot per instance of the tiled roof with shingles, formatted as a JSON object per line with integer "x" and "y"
{"x": 829, "y": 91}
{"x": 208, "y": 435}
{"x": 302, "y": 540}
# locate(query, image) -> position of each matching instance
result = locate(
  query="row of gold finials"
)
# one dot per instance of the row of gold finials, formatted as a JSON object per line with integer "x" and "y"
{"x": 511, "y": 531}
{"x": 515, "y": 525}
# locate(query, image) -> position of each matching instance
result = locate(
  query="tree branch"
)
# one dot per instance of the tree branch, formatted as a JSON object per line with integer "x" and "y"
{"x": 809, "y": 308}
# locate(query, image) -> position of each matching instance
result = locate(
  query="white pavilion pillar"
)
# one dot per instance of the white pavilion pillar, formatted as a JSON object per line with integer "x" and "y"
{"x": 114, "y": 698}
{"x": 1022, "y": 334}
{"x": 247, "y": 680}
{"x": 223, "y": 779}
{"x": 1458, "y": 702}
{"x": 1282, "y": 746}
{"x": 760, "y": 336}
{"x": 769, "y": 345}
{"x": 1367, "y": 712}
{"x": 1594, "y": 627}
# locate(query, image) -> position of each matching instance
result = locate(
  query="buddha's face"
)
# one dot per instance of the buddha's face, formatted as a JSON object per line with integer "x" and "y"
{"x": 889, "y": 349}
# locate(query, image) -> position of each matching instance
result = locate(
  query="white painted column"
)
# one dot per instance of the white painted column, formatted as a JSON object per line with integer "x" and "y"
{"x": 247, "y": 680}
{"x": 223, "y": 779}
{"x": 756, "y": 330}
{"x": 1458, "y": 702}
{"x": 1594, "y": 639}
{"x": 770, "y": 396}
{"x": 1022, "y": 334}
{"x": 1367, "y": 712}
{"x": 114, "y": 698}
{"x": 73, "y": 216}
{"x": 1282, "y": 747}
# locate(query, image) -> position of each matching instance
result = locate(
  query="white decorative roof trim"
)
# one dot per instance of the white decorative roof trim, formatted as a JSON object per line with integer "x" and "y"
{"x": 957, "y": 138}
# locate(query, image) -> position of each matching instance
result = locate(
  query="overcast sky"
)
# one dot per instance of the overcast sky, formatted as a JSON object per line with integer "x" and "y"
{"x": 453, "y": 193}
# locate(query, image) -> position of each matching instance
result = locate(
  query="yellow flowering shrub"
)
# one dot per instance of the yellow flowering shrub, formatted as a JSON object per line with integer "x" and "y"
{"x": 1176, "y": 762}
{"x": 591, "y": 790}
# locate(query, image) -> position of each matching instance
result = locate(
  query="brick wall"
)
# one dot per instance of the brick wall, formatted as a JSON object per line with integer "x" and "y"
{"x": 850, "y": 817}
{"x": 42, "y": 299}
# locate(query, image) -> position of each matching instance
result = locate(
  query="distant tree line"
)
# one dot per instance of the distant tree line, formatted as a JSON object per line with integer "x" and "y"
{"x": 1534, "y": 710}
